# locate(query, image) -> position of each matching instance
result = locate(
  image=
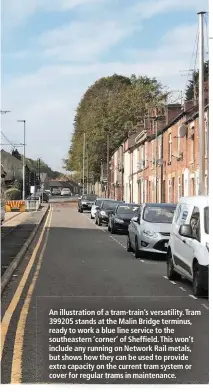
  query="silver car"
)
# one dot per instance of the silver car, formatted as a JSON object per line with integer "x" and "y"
{"x": 149, "y": 230}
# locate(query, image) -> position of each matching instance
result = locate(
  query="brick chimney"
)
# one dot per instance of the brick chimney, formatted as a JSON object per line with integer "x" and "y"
{"x": 172, "y": 111}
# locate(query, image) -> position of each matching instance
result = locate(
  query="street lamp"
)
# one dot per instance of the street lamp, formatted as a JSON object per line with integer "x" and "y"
{"x": 23, "y": 192}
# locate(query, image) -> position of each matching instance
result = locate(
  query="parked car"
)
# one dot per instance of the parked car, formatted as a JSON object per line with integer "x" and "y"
{"x": 97, "y": 204}
{"x": 120, "y": 218}
{"x": 66, "y": 192}
{"x": 56, "y": 192}
{"x": 149, "y": 230}
{"x": 105, "y": 209}
{"x": 86, "y": 202}
{"x": 188, "y": 250}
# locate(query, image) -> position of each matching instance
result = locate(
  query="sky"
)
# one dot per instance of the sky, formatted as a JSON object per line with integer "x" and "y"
{"x": 53, "y": 50}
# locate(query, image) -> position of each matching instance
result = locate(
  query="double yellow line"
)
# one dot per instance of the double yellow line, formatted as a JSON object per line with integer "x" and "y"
{"x": 16, "y": 372}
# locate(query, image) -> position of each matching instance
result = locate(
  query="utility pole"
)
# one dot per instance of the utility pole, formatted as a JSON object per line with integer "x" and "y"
{"x": 108, "y": 164}
{"x": 23, "y": 191}
{"x": 84, "y": 145}
{"x": 156, "y": 158}
{"x": 201, "y": 107}
{"x": 87, "y": 173}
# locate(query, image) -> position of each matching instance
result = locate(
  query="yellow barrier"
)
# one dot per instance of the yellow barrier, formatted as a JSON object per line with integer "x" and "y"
{"x": 15, "y": 205}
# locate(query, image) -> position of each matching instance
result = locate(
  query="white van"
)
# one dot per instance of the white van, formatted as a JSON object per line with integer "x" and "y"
{"x": 188, "y": 248}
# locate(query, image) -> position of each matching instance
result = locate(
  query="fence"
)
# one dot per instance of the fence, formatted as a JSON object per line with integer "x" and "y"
{"x": 33, "y": 205}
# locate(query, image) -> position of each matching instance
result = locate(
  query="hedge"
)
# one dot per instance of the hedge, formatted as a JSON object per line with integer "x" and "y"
{"x": 13, "y": 194}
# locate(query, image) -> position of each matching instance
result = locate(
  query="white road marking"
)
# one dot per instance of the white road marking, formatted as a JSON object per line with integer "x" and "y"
{"x": 205, "y": 306}
{"x": 166, "y": 277}
{"x": 171, "y": 281}
{"x": 192, "y": 296}
{"x": 182, "y": 288}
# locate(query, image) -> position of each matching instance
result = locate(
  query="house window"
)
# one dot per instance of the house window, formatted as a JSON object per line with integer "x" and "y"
{"x": 142, "y": 157}
{"x": 146, "y": 154}
{"x": 192, "y": 150}
{"x": 152, "y": 154}
{"x": 206, "y": 136}
{"x": 178, "y": 143}
{"x": 179, "y": 188}
{"x": 169, "y": 191}
{"x": 170, "y": 149}
{"x": 182, "y": 185}
{"x": 192, "y": 187}
{"x": 159, "y": 149}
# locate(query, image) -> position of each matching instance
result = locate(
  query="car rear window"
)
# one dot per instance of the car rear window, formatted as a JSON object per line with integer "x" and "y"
{"x": 206, "y": 220}
{"x": 127, "y": 209}
{"x": 89, "y": 197}
{"x": 109, "y": 204}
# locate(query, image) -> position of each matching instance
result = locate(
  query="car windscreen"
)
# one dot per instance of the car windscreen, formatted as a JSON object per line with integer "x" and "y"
{"x": 109, "y": 205}
{"x": 66, "y": 189}
{"x": 130, "y": 210}
{"x": 206, "y": 220}
{"x": 98, "y": 202}
{"x": 159, "y": 214}
{"x": 89, "y": 197}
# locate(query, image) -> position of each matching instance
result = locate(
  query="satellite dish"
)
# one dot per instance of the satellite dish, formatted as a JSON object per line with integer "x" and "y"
{"x": 160, "y": 162}
{"x": 182, "y": 130}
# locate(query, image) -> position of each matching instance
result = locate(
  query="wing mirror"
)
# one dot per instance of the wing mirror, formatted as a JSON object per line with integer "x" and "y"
{"x": 135, "y": 219}
{"x": 186, "y": 231}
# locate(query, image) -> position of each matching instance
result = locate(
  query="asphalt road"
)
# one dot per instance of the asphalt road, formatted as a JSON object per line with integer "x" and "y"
{"x": 80, "y": 265}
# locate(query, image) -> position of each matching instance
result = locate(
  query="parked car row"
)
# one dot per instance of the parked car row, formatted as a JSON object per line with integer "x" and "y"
{"x": 181, "y": 232}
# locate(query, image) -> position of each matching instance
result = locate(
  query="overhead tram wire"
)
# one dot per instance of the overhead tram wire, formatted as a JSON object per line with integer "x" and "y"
{"x": 13, "y": 145}
{"x": 207, "y": 37}
{"x": 193, "y": 54}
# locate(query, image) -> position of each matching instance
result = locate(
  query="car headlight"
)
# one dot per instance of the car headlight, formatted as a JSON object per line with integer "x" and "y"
{"x": 150, "y": 233}
{"x": 84, "y": 202}
{"x": 117, "y": 220}
{"x": 103, "y": 213}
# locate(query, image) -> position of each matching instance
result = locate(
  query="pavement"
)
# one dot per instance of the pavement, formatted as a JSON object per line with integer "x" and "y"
{"x": 11, "y": 215}
{"x": 80, "y": 265}
{"x": 15, "y": 232}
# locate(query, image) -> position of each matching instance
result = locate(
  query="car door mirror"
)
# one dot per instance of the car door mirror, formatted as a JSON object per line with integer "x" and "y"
{"x": 186, "y": 231}
{"x": 135, "y": 219}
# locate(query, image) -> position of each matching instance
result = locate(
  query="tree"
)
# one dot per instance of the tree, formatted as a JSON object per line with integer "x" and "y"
{"x": 194, "y": 82}
{"x": 32, "y": 165}
{"x": 112, "y": 105}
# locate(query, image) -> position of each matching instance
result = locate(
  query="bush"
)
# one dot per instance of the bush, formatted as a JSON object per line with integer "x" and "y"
{"x": 13, "y": 194}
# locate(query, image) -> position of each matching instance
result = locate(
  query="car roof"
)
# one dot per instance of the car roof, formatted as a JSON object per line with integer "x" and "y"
{"x": 131, "y": 204}
{"x": 160, "y": 205}
{"x": 200, "y": 200}
{"x": 105, "y": 199}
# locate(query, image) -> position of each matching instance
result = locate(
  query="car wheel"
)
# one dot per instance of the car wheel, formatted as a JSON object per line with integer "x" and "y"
{"x": 109, "y": 228}
{"x": 171, "y": 273}
{"x": 99, "y": 222}
{"x": 81, "y": 210}
{"x": 197, "y": 281}
{"x": 137, "y": 252}
{"x": 113, "y": 230}
{"x": 128, "y": 245}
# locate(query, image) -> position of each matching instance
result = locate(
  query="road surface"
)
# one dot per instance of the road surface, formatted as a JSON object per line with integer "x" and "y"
{"x": 76, "y": 263}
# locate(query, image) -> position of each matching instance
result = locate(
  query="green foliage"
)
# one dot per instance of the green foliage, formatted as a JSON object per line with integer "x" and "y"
{"x": 112, "y": 105}
{"x": 44, "y": 168}
{"x": 13, "y": 194}
{"x": 195, "y": 81}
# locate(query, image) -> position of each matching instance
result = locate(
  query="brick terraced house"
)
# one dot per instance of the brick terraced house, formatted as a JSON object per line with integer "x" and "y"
{"x": 157, "y": 163}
